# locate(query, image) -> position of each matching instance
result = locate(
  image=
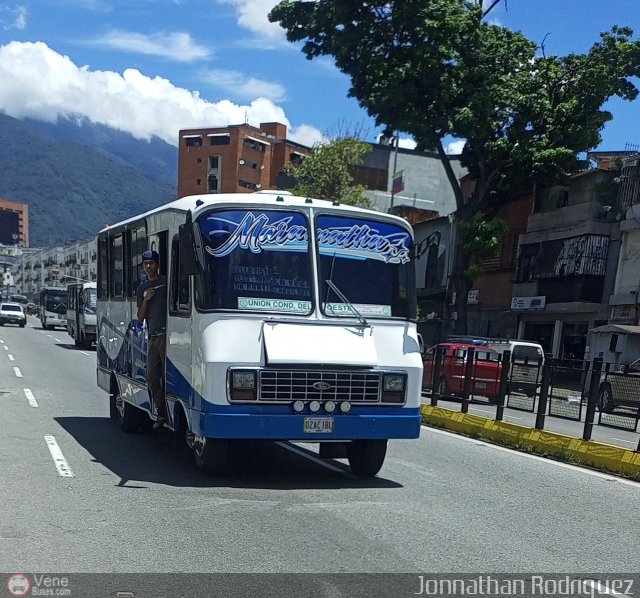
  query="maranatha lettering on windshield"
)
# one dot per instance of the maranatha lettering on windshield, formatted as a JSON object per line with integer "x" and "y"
{"x": 358, "y": 240}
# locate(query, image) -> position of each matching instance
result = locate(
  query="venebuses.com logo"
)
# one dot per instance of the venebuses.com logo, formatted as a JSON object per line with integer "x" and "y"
{"x": 18, "y": 584}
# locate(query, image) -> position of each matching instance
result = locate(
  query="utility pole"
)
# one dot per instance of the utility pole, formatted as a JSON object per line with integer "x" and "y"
{"x": 396, "y": 140}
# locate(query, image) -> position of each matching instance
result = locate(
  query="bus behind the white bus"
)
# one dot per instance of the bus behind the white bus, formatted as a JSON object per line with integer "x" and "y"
{"x": 289, "y": 318}
{"x": 53, "y": 307}
{"x": 81, "y": 313}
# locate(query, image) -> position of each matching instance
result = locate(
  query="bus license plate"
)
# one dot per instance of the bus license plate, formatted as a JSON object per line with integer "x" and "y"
{"x": 481, "y": 385}
{"x": 318, "y": 425}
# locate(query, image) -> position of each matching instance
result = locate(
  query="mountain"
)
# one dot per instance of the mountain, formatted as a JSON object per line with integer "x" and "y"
{"x": 73, "y": 189}
{"x": 155, "y": 157}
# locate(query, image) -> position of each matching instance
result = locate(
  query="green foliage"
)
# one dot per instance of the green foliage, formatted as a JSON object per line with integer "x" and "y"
{"x": 434, "y": 68}
{"x": 482, "y": 238}
{"x": 326, "y": 173}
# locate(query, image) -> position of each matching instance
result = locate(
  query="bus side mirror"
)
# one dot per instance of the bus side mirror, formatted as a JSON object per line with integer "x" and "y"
{"x": 191, "y": 257}
{"x": 188, "y": 262}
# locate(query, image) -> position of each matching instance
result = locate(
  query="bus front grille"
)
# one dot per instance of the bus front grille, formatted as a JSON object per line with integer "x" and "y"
{"x": 294, "y": 385}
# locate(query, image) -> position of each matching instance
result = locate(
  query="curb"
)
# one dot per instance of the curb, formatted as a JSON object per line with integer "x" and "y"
{"x": 597, "y": 455}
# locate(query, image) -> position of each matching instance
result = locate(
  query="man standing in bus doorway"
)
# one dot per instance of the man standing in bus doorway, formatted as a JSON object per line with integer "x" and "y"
{"x": 152, "y": 307}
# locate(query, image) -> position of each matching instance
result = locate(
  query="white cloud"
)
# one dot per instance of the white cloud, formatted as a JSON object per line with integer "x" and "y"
{"x": 403, "y": 142}
{"x": 306, "y": 135}
{"x": 407, "y": 143}
{"x": 39, "y": 83}
{"x": 455, "y": 147}
{"x": 242, "y": 86}
{"x": 252, "y": 15}
{"x": 13, "y": 17}
{"x": 176, "y": 46}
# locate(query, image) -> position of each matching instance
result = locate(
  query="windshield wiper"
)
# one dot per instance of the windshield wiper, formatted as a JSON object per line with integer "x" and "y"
{"x": 346, "y": 301}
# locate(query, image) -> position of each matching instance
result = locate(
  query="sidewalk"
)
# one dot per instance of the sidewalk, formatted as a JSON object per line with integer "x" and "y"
{"x": 610, "y": 449}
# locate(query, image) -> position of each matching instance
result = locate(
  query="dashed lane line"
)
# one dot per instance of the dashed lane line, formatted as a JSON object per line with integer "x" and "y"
{"x": 57, "y": 340}
{"x": 5, "y": 347}
{"x": 17, "y": 372}
{"x": 30, "y": 397}
{"x": 58, "y": 458}
{"x": 11, "y": 357}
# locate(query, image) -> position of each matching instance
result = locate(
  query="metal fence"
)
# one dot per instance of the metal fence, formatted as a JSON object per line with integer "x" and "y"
{"x": 567, "y": 389}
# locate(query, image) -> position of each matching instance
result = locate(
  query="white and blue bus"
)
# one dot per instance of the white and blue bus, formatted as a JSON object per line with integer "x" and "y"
{"x": 53, "y": 307}
{"x": 289, "y": 318}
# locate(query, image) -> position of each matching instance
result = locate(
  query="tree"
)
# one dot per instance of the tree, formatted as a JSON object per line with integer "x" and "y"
{"x": 328, "y": 172}
{"x": 435, "y": 69}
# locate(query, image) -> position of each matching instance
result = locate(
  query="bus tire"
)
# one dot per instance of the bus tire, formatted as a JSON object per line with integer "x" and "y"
{"x": 366, "y": 457}
{"x": 130, "y": 417}
{"x": 113, "y": 407}
{"x": 211, "y": 455}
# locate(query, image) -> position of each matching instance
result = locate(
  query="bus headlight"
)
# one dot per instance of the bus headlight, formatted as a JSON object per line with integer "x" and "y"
{"x": 243, "y": 385}
{"x": 393, "y": 388}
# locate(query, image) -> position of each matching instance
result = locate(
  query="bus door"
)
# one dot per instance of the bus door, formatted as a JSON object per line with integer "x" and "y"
{"x": 179, "y": 328}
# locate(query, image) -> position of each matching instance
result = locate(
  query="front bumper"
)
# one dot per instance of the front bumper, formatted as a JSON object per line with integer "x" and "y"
{"x": 9, "y": 320}
{"x": 290, "y": 427}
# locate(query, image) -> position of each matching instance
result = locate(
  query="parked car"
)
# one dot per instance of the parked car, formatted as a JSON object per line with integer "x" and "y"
{"x": 485, "y": 375}
{"x": 12, "y": 313}
{"x": 620, "y": 389}
{"x": 527, "y": 359}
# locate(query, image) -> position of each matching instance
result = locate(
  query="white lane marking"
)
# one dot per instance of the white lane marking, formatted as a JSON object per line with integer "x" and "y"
{"x": 50, "y": 336}
{"x": 603, "y": 589}
{"x": 317, "y": 460}
{"x": 57, "y": 340}
{"x": 30, "y": 397}
{"x": 481, "y": 410}
{"x": 1, "y": 341}
{"x": 5, "y": 347}
{"x": 17, "y": 372}
{"x": 633, "y": 442}
{"x": 85, "y": 353}
{"x": 11, "y": 357}
{"x": 58, "y": 458}
{"x": 597, "y": 474}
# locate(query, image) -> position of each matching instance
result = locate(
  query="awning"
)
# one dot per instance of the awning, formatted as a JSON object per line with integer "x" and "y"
{"x": 617, "y": 329}
{"x": 192, "y": 136}
{"x": 256, "y": 140}
{"x": 218, "y": 134}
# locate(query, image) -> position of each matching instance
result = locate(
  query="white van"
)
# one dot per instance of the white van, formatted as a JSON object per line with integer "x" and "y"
{"x": 527, "y": 359}
{"x": 520, "y": 350}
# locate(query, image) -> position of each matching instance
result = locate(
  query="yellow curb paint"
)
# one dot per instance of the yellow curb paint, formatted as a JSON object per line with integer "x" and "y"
{"x": 598, "y": 455}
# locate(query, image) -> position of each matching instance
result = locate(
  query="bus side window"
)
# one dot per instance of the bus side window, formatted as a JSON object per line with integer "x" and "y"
{"x": 180, "y": 301}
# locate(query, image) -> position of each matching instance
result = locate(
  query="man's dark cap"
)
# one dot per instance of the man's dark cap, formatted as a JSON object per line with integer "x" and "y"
{"x": 150, "y": 256}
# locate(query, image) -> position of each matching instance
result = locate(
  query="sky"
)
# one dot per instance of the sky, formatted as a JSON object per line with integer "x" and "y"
{"x": 153, "y": 67}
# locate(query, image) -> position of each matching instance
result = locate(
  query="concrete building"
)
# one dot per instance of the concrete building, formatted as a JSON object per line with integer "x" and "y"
{"x": 490, "y": 300}
{"x": 234, "y": 159}
{"x": 14, "y": 223}
{"x": 566, "y": 265}
{"x": 424, "y": 182}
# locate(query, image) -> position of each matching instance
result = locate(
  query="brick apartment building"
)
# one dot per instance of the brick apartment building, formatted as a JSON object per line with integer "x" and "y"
{"x": 234, "y": 159}
{"x": 14, "y": 223}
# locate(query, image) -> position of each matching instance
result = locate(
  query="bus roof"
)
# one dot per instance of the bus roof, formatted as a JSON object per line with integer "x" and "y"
{"x": 266, "y": 198}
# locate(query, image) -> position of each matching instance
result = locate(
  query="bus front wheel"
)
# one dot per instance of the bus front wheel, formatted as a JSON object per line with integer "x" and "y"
{"x": 130, "y": 416}
{"x": 211, "y": 454}
{"x": 366, "y": 456}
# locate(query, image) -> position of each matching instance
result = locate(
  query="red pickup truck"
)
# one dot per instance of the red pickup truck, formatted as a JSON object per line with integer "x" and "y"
{"x": 485, "y": 373}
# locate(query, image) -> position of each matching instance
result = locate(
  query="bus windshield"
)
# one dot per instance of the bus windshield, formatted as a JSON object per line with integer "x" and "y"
{"x": 369, "y": 263}
{"x": 55, "y": 300}
{"x": 255, "y": 260}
